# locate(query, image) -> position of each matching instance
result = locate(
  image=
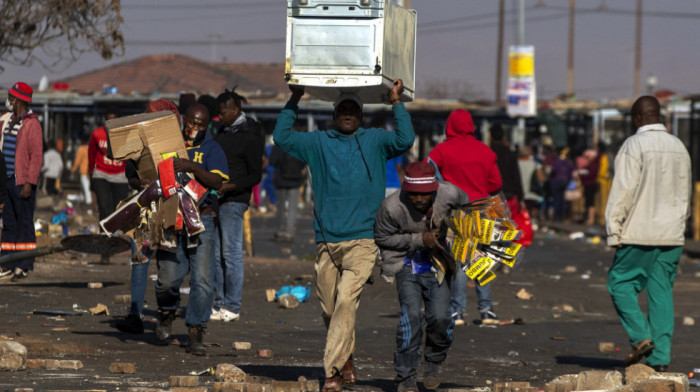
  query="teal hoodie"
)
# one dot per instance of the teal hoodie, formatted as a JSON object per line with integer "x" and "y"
{"x": 348, "y": 188}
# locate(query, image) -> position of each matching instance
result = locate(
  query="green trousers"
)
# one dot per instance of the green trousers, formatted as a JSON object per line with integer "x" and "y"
{"x": 653, "y": 268}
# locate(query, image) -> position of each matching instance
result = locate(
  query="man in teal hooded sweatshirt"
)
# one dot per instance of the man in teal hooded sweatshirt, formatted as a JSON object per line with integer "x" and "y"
{"x": 348, "y": 172}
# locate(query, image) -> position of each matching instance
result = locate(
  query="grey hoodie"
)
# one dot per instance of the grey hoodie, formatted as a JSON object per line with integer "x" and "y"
{"x": 399, "y": 228}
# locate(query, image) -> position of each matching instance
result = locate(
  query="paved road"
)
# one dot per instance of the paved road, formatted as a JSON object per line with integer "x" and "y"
{"x": 550, "y": 343}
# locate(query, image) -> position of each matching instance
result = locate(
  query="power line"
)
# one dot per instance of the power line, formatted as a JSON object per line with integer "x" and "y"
{"x": 205, "y": 6}
{"x": 620, "y": 11}
{"x": 206, "y": 42}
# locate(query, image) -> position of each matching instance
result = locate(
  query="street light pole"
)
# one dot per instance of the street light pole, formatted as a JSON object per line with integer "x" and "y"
{"x": 499, "y": 50}
{"x": 638, "y": 50}
{"x": 570, "y": 69}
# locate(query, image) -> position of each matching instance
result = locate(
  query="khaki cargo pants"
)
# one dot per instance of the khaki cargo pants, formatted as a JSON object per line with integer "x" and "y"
{"x": 342, "y": 269}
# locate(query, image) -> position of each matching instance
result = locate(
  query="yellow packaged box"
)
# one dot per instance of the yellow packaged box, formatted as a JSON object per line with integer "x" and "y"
{"x": 148, "y": 138}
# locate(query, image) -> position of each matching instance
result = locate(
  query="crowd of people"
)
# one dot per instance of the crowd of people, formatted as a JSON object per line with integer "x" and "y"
{"x": 369, "y": 205}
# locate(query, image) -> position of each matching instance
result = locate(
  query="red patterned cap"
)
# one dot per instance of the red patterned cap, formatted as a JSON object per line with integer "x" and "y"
{"x": 22, "y": 91}
{"x": 420, "y": 177}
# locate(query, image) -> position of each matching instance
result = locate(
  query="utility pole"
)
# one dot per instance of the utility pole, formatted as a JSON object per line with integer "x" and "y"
{"x": 570, "y": 69}
{"x": 521, "y": 22}
{"x": 499, "y": 53}
{"x": 519, "y": 133}
{"x": 638, "y": 51}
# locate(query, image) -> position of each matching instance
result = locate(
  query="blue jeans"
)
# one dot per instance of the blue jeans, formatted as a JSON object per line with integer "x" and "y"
{"x": 458, "y": 299}
{"x": 198, "y": 262}
{"x": 228, "y": 251}
{"x": 414, "y": 291}
{"x": 139, "y": 280}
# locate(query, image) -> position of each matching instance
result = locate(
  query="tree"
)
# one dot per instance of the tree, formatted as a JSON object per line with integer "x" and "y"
{"x": 56, "y": 32}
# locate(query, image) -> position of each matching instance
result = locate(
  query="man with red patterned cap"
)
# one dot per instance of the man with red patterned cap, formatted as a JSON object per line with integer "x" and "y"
{"x": 22, "y": 147}
{"x": 405, "y": 231}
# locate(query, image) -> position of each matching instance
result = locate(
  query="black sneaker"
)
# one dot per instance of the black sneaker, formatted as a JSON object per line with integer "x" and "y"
{"x": 431, "y": 378}
{"x": 165, "y": 324}
{"x": 19, "y": 274}
{"x": 407, "y": 385}
{"x": 132, "y": 323}
{"x": 195, "y": 344}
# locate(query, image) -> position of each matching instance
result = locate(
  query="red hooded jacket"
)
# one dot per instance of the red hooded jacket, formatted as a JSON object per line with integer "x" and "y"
{"x": 464, "y": 161}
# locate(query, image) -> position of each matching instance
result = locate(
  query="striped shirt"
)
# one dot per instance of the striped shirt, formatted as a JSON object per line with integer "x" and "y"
{"x": 9, "y": 144}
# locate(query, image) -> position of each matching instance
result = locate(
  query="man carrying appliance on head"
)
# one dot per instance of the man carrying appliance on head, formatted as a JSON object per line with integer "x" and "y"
{"x": 348, "y": 172}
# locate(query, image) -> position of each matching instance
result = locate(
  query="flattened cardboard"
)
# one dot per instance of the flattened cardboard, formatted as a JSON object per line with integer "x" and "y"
{"x": 145, "y": 138}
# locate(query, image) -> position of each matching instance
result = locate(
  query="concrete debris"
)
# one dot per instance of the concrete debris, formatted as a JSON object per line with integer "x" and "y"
{"x": 122, "y": 299}
{"x": 651, "y": 385}
{"x": 571, "y": 269}
{"x": 688, "y": 321}
{"x": 637, "y": 372}
{"x": 563, "y": 308}
{"x": 99, "y": 309}
{"x": 122, "y": 367}
{"x": 524, "y": 294}
{"x": 226, "y": 372}
{"x": 606, "y": 347}
{"x": 563, "y": 383}
{"x": 94, "y": 285}
{"x": 597, "y": 380}
{"x": 288, "y": 301}
{"x": 679, "y": 378}
{"x": 184, "y": 381}
{"x": 242, "y": 346}
{"x": 13, "y": 356}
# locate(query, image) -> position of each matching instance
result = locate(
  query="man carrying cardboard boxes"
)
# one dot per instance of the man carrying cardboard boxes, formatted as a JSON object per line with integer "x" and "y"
{"x": 194, "y": 254}
{"x": 174, "y": 213}
{"x": 347, "y": 165}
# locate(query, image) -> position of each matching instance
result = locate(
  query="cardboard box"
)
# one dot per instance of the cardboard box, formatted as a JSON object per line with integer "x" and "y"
{"x": 336, "y": 46}
{"x": 148, "y": 138}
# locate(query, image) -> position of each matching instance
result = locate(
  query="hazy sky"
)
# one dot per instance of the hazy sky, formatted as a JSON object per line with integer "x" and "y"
{"x": 456, "y": 41}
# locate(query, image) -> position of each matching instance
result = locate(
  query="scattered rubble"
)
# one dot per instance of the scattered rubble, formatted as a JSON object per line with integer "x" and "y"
{"x": 13, "y": 356}
{"x": 524, "y": 294}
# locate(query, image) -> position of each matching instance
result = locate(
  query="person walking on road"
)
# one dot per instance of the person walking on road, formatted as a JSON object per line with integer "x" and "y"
{"x": 194, "y": 255}
{"x": 241, "y": 138}
{"x": 52, "y": 169}
{"x": 22, "y": 147}
{"x": 108, "y": 180}
{"x": 133, "y": 321}
{"x": 288, "y": 177}
{"x": 348, "y": 170}
{"x": 472, "y": 167}
{"x": 81, "y": 164}
{"x": 645, "y": 219}
{"x": 405, "y": 232}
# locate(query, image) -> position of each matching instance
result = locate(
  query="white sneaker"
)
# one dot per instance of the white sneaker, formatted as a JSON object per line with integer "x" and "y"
{"x": 227, "y": 315}
{"x": 215, "y": 315}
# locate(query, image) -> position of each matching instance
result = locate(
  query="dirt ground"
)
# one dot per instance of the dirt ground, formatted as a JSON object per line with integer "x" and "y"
{"x": 569, "y": 314}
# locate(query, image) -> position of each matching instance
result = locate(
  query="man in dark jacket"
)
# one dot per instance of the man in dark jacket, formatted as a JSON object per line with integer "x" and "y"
{"x": 241, "y": 138}
{"x": 507, "y": 162}
{"x": 404, "y": 231}
{"x": 288, "y": 177}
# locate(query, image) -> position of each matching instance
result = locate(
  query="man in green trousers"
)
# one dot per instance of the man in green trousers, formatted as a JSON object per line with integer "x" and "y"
{"x": 645, "y": 220}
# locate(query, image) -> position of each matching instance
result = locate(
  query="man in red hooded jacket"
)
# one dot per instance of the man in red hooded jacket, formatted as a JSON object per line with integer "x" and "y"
{"x": 471, "y": 166}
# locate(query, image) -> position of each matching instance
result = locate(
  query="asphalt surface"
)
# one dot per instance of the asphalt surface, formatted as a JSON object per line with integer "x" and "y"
{"x": 569, "y": 314}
